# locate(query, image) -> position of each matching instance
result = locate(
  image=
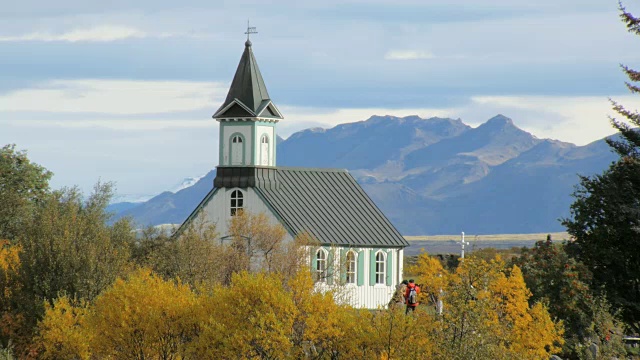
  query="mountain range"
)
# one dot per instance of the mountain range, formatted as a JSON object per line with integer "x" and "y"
{"x": 430, "y": 176}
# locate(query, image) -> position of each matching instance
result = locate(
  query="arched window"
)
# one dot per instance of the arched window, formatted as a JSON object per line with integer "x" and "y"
{"x": 380, "y": 267}
{"x": 351, "y": 267}
{"x": 264, "y": 150}
{"x": 237, "y": 150}
{"x": 321, "y": 266}
{"x": 237, "y": 202}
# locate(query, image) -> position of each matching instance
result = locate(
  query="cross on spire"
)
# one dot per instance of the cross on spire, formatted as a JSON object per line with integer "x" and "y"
{"x": 250, "y": 30}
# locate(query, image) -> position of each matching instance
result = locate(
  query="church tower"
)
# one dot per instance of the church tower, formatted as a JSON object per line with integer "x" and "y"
{"x": 247, "y": 118}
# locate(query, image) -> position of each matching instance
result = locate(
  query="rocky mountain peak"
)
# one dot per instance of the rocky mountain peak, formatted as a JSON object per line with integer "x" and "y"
{"x": 499, "y": 122}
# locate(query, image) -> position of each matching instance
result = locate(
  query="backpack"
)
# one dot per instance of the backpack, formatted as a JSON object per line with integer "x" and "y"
{"x": 413, "y": 296}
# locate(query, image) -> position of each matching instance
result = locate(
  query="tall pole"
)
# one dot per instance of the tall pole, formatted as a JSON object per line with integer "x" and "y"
{"x": 462, "y": 244}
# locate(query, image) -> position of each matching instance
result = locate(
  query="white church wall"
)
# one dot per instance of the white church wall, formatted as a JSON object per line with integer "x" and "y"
{"x": 218, "y": 209}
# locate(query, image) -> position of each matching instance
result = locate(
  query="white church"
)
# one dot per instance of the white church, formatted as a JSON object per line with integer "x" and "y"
{"x": 327, "y": 204}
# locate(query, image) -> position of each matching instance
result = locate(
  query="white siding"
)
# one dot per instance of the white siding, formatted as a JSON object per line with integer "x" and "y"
{"x": 366, "y": 295}
{"x": 217, "y": 210}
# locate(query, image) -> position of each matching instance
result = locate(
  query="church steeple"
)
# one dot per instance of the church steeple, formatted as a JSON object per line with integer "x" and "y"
{"x": 248, "y": 117}
{"x": 248, "y": 96}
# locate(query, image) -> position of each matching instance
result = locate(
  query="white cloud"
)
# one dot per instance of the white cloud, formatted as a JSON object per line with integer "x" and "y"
{"x": 103, "y": 33}
{"x": 119, "y": 124}
{"x": 115, "y": 96}
{"x": 127, "y": 105}
{"x": 408, "y": 55}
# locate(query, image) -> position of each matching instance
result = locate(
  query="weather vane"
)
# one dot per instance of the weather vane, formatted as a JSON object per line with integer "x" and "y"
{"x": 250, "y": 30}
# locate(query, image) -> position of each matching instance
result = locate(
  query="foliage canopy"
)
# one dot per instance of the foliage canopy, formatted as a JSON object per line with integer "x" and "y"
{"x": 605, "y": 217}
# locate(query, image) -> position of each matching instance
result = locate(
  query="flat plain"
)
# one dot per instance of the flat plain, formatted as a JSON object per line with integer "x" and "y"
{"x": 449, "y": 244}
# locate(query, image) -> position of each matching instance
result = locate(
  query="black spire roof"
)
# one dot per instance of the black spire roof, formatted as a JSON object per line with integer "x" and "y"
{"x": 248, "y": 96}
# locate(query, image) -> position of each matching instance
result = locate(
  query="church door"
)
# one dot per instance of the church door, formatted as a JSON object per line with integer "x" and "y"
{"x": 264, "y": 150}
{"x": 237, "y": 150}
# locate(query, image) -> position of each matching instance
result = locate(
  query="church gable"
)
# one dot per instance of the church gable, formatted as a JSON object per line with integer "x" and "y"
{"x": 221, "y": 204}
{"x": 235, "y": 110}
{"x": 269, "y": 110}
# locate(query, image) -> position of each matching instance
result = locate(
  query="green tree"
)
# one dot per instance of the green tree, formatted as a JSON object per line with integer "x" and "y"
{"x": 562, "y": 283}
{"x": 23, "y": 185}
{"x": 605, "y": 217}
{"x": 68, "y": 249}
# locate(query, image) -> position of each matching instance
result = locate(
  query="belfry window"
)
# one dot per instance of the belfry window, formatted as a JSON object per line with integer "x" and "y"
{"x": 237, "y": 150}
{"x": 380, "y": 268}
{"x": 237, "y": 202}
{"x": 264, "y": 150}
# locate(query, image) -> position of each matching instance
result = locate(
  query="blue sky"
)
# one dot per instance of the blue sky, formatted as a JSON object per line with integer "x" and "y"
{"x": 124, "y": 90}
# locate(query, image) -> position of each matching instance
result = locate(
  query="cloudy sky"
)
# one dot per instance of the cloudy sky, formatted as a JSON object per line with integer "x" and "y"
{"x": 124, "y": 90}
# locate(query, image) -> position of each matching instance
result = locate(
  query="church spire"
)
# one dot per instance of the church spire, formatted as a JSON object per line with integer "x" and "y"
{"x": 248, "y": 96}
{"x": 247, "y": 117}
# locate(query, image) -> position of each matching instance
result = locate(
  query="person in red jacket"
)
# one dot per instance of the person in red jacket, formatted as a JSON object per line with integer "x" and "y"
{"x": 411, "y": 296}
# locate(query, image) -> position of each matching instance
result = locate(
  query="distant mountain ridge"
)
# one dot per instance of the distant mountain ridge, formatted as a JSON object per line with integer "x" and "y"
{"x": 431, "y": 176}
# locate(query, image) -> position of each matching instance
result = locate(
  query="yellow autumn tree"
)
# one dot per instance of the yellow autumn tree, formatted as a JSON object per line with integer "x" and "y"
{"x": 528, "y": 332}
{"x": 10, "y": 320}
{"x": 394, "y": 335}
{"x": 142, "y": 317}
{"x": 62, "y": 333}
{"x": 251, "y": 318}
{"x": 322, "y": 328}
{"x": 486, "y": 313}
{"x": 9, "y": 264}
{"x": 432, "y": 277}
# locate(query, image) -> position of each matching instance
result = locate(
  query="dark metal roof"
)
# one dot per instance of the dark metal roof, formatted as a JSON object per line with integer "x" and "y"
{"x": 247, "y": 90}
{"x": 328, "y": 204}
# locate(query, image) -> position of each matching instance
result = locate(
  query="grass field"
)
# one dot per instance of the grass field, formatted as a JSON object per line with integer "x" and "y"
{"x": 448, "y": 244}
{"x": 557, "y": 236}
